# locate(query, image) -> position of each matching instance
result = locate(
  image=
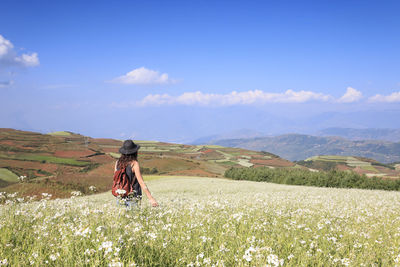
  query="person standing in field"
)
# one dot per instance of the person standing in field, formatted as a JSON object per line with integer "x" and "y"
{"x": 129, "y": 162}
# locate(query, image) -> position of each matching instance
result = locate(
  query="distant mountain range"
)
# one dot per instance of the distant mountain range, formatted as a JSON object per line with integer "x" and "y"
{"x": 238, "y": 134}
{"x": 392, "y": 135}
{"x": 299, "y": 146}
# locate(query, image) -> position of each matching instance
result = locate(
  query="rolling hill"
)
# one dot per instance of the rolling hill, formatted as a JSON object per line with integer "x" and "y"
{"x": 300, "y": 147}
{"x": 369, "y": 167}
{"x": 61, "y": 162}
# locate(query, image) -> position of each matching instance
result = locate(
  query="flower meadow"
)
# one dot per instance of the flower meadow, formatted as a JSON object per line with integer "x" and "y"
{"x": 206, "y": 222}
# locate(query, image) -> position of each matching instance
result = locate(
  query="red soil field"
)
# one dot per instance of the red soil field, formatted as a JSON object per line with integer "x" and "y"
{"x": 105, "y": 141}
{"x": 101, "y": 159}
{"x": 109, "y": 149}
{"x": 212, "y": 155}
{"x": 104, "y": 170}
{"x": 8, "y": 142}
{"x": 49, "y": 167}
{"x": 360, "y": 171}
{"x": 101, "y": 177}
{"x": 342, "y": 167}
{"x": 168, "y": 164}
{"x": 32, "y": 189}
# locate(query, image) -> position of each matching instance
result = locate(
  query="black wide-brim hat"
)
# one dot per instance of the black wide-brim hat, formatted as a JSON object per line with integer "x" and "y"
{"x": 129, "y": 147}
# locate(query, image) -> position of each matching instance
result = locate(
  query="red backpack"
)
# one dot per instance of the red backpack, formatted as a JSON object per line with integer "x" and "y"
{"x": 121, "y": 181}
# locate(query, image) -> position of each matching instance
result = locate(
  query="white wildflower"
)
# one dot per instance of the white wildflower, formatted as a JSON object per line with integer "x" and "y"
{"x": 201, "y": 255}
{"x": 274, "y": 260}
{"x": 46, "y": 196}
{"x": 76, "y": 193}
{"x": 54, "y": 257}
{"x": 120, "y": 191}
{"x": 345, "y": 261}
{"x": 115, "y": 264}
{"x": 152, "y": 235}
{"x": 100, "y": 228}
{"x": 106, "y": 246}
{"x": 92, "y": 188}
{"x": 89, "y": 251}
{"x": 247, "y": 254}
{"x": 12, "y": 195}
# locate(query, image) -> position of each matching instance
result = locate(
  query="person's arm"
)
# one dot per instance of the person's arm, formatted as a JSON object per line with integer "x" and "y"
{"x": 115, "y": 167}
{"x": 139, "y": 177}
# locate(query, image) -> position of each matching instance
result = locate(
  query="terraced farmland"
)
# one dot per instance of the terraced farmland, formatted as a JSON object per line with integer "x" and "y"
{"x": 62, "y": 162}
{"x": 360, "y": 165}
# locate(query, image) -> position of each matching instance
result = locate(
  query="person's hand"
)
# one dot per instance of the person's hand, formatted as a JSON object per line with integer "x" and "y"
{"x": 153, "y": 202}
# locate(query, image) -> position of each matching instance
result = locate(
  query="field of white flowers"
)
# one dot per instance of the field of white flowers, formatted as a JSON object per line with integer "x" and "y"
{"x": 207, "y": 222}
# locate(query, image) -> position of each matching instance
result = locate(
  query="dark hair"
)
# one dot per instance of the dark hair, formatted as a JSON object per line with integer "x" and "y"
{"x": 125, "y": 159}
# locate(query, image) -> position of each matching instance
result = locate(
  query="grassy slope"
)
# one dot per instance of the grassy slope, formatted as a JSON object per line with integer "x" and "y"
{"x": 61, "y": 161}
{"x": 43, "y": 158}
{"x": 208, "y": 220}
{"x": 8, "y": 176}
{"x": 64, "y": 161}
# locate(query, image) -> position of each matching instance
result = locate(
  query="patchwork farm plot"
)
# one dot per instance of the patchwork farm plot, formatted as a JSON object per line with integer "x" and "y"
{"x": 202, "y": 221}
{"x": 62, "y": 162}
{"x": 210, "y": 159}
{"x": 369, "y": 167}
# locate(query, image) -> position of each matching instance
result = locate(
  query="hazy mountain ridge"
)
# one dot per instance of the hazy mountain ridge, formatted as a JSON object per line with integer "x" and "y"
{"x": 392, "y": 135}
{"x": 238, "y": 134}
{"x": 300, "y": 147}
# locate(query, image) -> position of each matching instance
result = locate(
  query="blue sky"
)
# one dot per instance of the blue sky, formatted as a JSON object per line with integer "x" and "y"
{"x": 180, "y": 70}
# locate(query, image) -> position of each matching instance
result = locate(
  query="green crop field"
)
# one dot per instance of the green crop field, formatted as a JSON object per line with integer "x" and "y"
{"x": 154, "y": 149}
{"x": 350, "y": 161}
{"x": 368, "y": 168}
{"x": 206, "y": 222}
{"x": 329, "y": 158}
{"x": 212, "y": 146}
{"x": 48, "y": 159}
{"x": 245, "y": 162}
{"x": 114, "y": 155}
{"x": 60, "y": 133}
{"x": 143, "y": 142}
{"x": 8, "y": 176}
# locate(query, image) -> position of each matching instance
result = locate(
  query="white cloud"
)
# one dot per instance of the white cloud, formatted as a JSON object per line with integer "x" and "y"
{"x": 6, "y": 84}
{"x": 394, "y": 97}
{"x": 5, "y": 46}
{"x": 9, "y": 57}
{"x": 351, "y": 95}
{"x": 26, "y": 60}
{"x": 233, "y": 98}
{"x": 144, "y": 76}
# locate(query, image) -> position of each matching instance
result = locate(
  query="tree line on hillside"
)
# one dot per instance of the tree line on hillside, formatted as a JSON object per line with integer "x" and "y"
{"x": 332, "y": 178}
